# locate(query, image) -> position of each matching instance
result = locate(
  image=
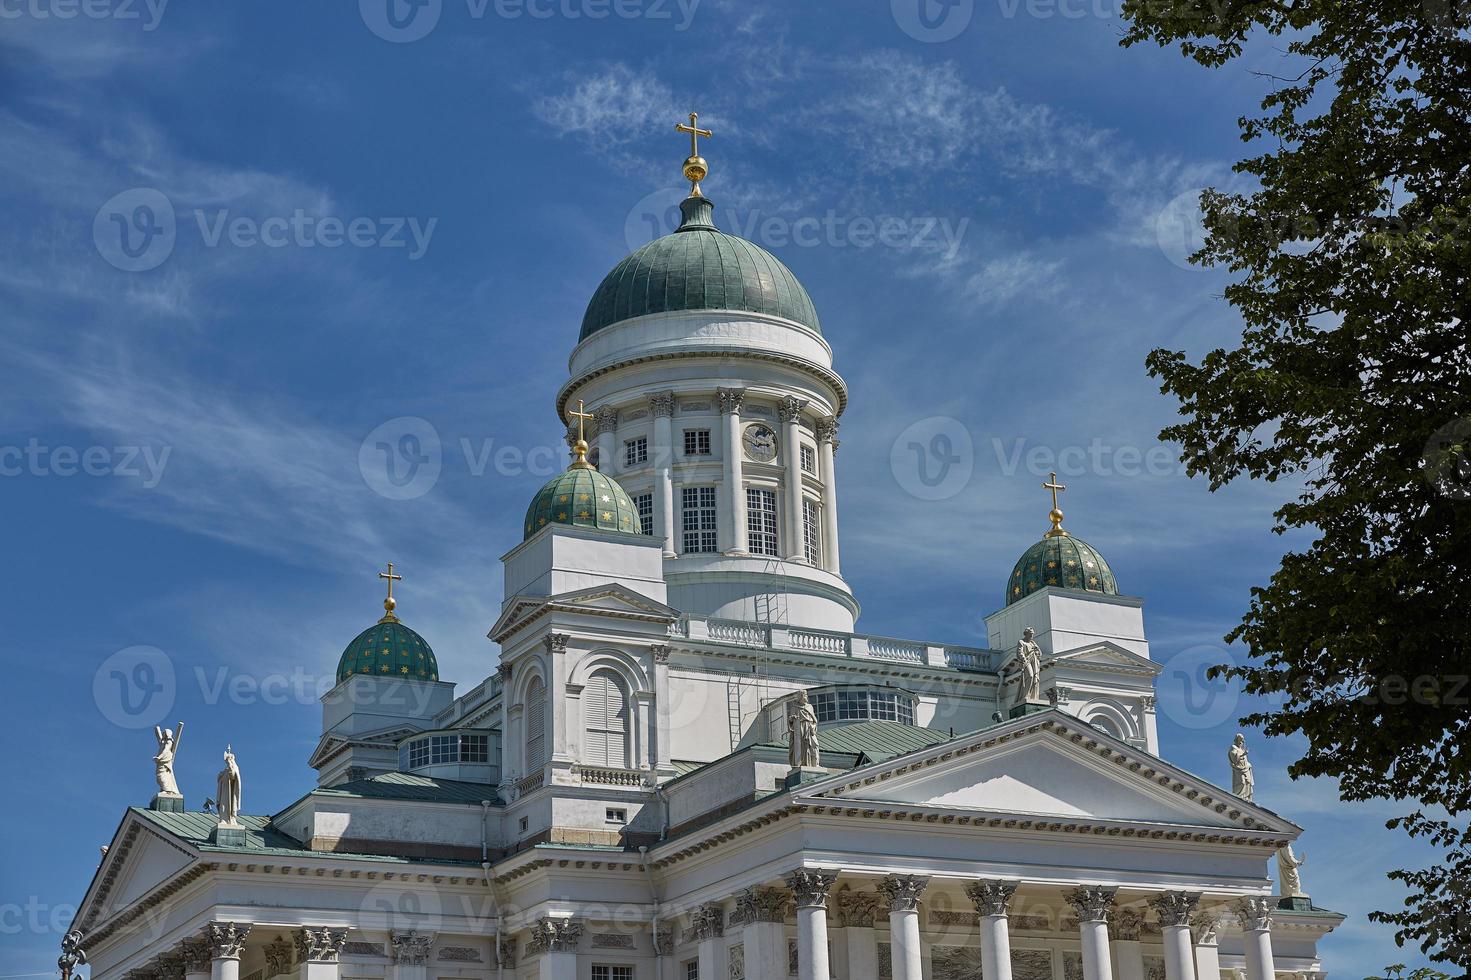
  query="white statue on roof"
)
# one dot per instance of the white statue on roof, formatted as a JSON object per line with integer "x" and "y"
{"x": 803, "y": 751}
{"x": 227, "y": 792}
{"x": 163, "y": 762}
{"x": 1026, "y": 663}
{"x": 1243, "y": 782}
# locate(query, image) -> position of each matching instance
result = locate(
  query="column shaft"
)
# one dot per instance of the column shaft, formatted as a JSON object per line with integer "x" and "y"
{"x": 709, "y": 956}
{"x": 735, "y": 481}
{"x": 560, "y": 966}
{"x": 904, "y": 945}
{"x": 662, "y": 405}
{"x": 791, "y": 457}
{"x": 1096, "y": 964}
{"x": 1179, "y": 953}
{"x": 995, "y": 948}
{"x": 224, "y": 968}
{"x": 812, "y": 959}
{"x": 1260, "y": 964}
{"x": 826, "y": 438}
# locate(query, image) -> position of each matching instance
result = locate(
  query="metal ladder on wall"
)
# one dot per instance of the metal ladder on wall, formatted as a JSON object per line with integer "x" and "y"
{"x": 770, "y": 610}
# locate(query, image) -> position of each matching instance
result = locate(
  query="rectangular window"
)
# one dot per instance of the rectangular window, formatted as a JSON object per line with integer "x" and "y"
{"x": 616, "y": 814}
{"x": 443, "y": 749}
{"x": 812, "y": 532}
{"x": 636, "y": 452}
{"x": 826, "y": 706}
{"x": 692, "y": 970}
{"x": 761, "y": 521}
{"x": 524, "y": 824}
{"x": 697, "y": 518}
{"x": 474, "y": 748}
{"x": 419, "y": 753}
{"x": 697, "y": 442}
{"x": 602, "y": 971}
{"x": 809, "y": 460}
{"x": 644, "y": 504}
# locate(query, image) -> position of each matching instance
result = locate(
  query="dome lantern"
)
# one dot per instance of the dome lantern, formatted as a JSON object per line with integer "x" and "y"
{"x": 1060, "y": 559}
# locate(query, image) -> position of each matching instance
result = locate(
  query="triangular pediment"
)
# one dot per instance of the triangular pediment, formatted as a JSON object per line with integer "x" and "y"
{"x": 607, "y": 600}
{"x": 1050, "y": 765}
{"x": 139, "y": 860}
{"x": 1106, "y": 656}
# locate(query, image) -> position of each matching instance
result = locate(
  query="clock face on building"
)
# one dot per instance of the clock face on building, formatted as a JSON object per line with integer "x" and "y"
{"x": 760, "y": 442}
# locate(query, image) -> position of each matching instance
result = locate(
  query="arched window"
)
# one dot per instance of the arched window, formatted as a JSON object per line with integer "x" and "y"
{"x": 605, "y": 708}
{"x": 536, "y": 726}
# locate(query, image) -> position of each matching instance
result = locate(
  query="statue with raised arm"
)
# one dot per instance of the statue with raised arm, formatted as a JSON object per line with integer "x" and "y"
{"x": 163, "y": 762}
{"x": 227, "y": 792}
{"x": 802, "y": 751}
{"x": 1025, "y": 663}
{"x": 1243, "y": 783}
{"x": 1289, "y": 874}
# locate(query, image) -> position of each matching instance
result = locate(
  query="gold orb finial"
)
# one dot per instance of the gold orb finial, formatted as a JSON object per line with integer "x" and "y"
{"x": 695, "y": 167}
{"x": 1055, "y": 515}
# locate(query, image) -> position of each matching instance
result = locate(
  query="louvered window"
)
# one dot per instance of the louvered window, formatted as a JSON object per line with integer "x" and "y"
{"x": 536, "y": 726}
{"x": 605, "y": 708}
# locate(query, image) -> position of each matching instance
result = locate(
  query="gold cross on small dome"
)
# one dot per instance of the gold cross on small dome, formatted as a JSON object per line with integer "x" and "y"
{"x": 390, "y": 602}
{"x": 695, "y": 167}
{"x": 579, "y": 449}
{"x": 1055, "y": 515}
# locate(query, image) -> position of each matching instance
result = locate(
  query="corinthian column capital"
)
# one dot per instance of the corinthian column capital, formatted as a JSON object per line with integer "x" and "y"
{"x": 991, "y": 897}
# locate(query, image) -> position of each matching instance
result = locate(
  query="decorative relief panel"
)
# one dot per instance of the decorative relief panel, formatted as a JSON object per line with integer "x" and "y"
{"x": 886, "y": 962}
{"x": 363, "y": 949}
{"x": 1154, "y": 968}
{"x": 460, "y": 954}
{"x": 738, "y": 962}
{"x": 1072, "y": 966}
{"x": 612, "y": 940}
{"x": 1031, "y": 964}
{"x": 955, "y": 962}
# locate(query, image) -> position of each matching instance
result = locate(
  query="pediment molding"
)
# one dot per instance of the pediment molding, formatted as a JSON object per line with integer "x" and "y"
{"x": 612, "y": 601}
{"x": 133, "y": 835}
{"x": 1105, "y": 657}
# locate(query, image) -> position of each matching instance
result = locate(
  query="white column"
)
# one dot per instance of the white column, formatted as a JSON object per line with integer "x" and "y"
{"x": 1128, "y": 954}
{"x": 668, "y": 963}
{"x": 763, "y": 914}
{"x": 856, "y": 912}
{"x": 1175, "y": 909}
{"x": 1092, "y": 905}
{"x": 555, "y": 941}
{"x": 810, "y": 889}
{"x": 1256, "y": 928}
{"x": 511, "y": 745}
{"x": 1207, "y": 951}
{"x": 661, "y": 405}
{"x": 902, "y": 893}
{"x": 992, "y": 899}
{"x": 558, "y": 674}
{"x": 659, "y": 744}
{"x": 735, "y": 482}
{"x": 791, "y": 454}
{"x": 827, "y": 447}
{"x": 707, "y": 927}
{"x": 605, "y": 429}
{"x": 226, "y": 941}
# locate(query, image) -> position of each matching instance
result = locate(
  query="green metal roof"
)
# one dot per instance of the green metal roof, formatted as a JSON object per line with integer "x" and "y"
{"x": 196, "y": 828}
{"x": 408, "y": 786}
{"x": 583, "y": 497}
{"x": 388, "y": 648}
{"x": 698, "y": 267}
{"x": 1062, "y": 560}
{"x": 878, "y": 741}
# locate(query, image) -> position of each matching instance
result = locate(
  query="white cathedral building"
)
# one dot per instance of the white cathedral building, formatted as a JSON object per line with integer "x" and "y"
{"x": 619, "y": 799}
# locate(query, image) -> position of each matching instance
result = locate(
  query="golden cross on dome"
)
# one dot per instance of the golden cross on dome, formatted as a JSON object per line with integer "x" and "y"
{"x": 579, "y": 448}
{"x": 390, "y": 602}
{"x": 1055, "y": 515}
{"x": 695, "y": 167}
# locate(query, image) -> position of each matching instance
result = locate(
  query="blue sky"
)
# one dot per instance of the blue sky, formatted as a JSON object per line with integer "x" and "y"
{"x": 376, "y": 219}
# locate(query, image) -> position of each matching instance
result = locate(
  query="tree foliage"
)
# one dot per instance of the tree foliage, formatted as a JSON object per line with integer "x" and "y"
{"x": 1352, "y": 384}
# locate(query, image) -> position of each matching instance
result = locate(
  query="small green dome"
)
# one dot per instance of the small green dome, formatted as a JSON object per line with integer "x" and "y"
{"x": 1064, "y": 561}
{"x": 586, "y": 498}
{"x": 388, "y": 648}
{"x": 698, "y": 267}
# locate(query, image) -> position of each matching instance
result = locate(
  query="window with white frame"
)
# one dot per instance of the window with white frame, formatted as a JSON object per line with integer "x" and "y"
{"x": 692, "y": 970}
{"x": 636, "y": 451}
{"x": 606, "y": 971}
{"x": 644, "y": 504}
{"x": 761, "y": 521}
{"x": 536, "y": 726}
{"x": 809, "y": 460}
{"x": 434, "y": 750}
{"x": 697, "y": 519}
{"x": 812, "y": 532}
{"x": 605, "y": 711}
{"x": 697, "y": 442}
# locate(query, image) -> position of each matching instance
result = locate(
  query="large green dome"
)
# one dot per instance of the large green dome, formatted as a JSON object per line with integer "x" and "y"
{"x": 388, "y": 648}
{"x": 583, "y": 497}
{"x": 1061, "y": 560}
{"x": 698, "y": 267}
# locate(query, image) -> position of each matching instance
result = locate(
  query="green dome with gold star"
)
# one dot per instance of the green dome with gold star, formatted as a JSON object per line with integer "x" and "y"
{"x": 583, "y": 497}
{"x": 388, "y": 648}
{"x": 1065, "y": 561}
